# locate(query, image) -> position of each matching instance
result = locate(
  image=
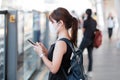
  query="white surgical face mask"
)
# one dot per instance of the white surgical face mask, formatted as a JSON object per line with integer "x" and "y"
{"x": 53, "y": 30}
{"x": 54, "y": 27}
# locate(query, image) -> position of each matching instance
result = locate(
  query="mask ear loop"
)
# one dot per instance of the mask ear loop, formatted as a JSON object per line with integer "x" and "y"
{"x": 58, "y": 23}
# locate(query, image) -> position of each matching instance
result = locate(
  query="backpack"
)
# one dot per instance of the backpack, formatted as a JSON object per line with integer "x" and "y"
{"x": 97, "y": 38}
{"x": 76, "y": 70}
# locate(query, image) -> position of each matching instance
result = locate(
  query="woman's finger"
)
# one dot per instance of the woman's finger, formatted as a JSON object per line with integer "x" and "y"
{"x": 41, "y": 44}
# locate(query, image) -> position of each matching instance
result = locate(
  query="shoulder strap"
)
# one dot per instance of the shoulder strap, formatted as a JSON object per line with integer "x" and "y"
{"x": 69, "y": 43}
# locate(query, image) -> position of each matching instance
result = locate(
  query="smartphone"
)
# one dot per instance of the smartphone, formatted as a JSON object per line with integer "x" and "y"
{"x": 31, "y": 42}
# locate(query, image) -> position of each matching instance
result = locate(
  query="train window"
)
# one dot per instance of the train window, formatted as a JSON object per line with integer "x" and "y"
{"x": 30, "y": 58}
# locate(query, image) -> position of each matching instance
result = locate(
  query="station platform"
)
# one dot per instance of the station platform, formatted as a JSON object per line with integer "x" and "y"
{"x": 105, "y": 61}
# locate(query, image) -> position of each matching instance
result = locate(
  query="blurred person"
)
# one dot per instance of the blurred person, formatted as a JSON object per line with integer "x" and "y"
{"x": 95, "y": 17}
{"x": 111, "y": 25}
{"x": 36, "y": 26}
{"x": 58, "y": 56}
{"x": 74, "y": 14}
{"x": 89, "y": 27}
{"x": 84, "y": 16}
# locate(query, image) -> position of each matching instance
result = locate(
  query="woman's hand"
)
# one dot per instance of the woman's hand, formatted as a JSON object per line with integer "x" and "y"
{"x": 40, "y": 49}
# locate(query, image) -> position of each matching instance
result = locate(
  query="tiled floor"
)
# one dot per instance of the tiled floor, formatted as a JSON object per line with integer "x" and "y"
{"x": 106, "y": 61}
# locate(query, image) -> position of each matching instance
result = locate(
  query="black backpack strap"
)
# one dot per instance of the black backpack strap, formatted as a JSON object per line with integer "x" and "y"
{"x": 69, "y": 43}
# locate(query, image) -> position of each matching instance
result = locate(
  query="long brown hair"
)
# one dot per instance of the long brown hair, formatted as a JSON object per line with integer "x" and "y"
{"x": 69, "y": 21}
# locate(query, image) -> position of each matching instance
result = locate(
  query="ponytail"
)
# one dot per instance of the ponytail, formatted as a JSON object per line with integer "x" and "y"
{"x": 74, "y": 31}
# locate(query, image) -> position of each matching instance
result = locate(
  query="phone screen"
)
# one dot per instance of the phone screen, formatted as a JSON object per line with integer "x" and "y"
{"x": 31, "y": 42}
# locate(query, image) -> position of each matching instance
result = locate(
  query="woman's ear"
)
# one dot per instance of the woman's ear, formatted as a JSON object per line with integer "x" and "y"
{"x": 60, "y": 23}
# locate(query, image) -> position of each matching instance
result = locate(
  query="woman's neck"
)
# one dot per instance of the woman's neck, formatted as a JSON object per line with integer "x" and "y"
{"x": 63, "y": 34}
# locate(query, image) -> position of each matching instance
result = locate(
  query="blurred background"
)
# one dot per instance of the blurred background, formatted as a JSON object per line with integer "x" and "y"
{"x": 28, "y": 19}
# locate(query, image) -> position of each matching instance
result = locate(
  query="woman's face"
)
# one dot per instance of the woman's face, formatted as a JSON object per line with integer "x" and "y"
{"x": 54, "y": 23}
{"x": 54, "y": 27}
{"x": 57, "y": 26}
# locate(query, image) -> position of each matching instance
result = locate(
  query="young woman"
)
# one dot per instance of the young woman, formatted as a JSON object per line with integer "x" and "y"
{"x": 58, "y": 56}
{"x": 89, "y": 27}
